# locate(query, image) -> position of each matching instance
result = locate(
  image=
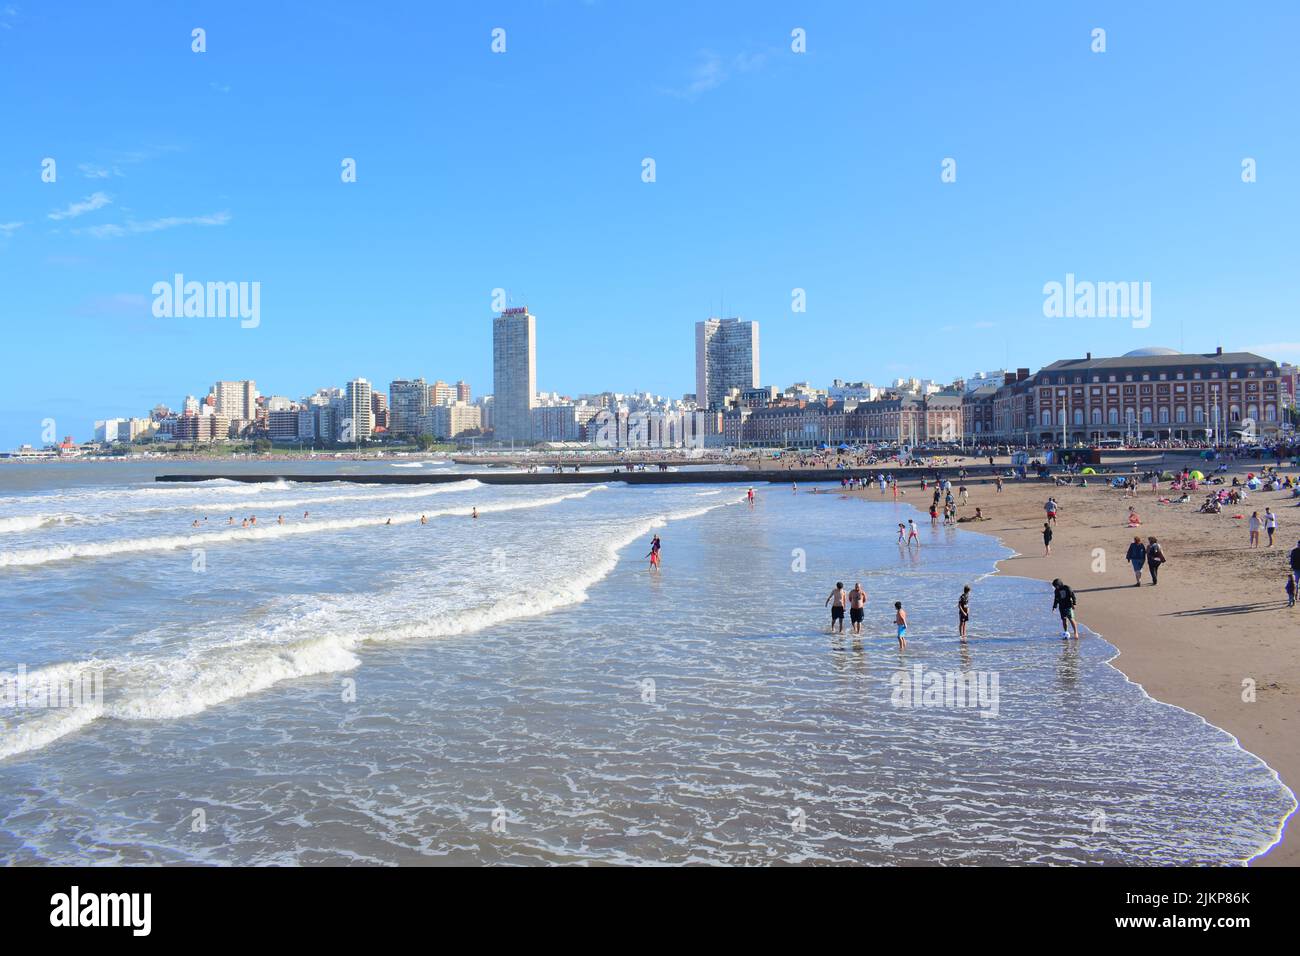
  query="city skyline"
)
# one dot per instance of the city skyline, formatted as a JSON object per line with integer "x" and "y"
{"x": 912, "y": 181}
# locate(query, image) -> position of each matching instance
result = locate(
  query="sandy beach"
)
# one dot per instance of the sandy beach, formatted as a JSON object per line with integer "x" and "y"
{"x": 1217, "y": 619}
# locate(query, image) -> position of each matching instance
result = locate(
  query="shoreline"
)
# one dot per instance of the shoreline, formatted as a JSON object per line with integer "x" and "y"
{"x": 1191, "y": 642}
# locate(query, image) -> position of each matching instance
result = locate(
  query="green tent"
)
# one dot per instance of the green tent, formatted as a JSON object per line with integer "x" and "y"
{"x": 1198, "y": 476}
{"x": 1088, "y": 471}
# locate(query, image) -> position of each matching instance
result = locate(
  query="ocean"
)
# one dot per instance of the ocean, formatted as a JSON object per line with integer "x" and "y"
{"x": 520, "y": 688}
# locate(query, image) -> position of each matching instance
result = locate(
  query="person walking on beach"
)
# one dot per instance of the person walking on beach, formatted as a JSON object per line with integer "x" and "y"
{"x": 857, "y": 607}
{"x": 1047, "y": 540}
{"x": 997, "y": 482}
{"x": 902, "y": 534}
{"x": 963, "y": 612}
{"x": 912, "y": 533}
{"x": 1063, "y": 602}
{"x": 1137, "y": 556}
{"x": 1290, "y": 590}
{"x": 1155, "y": 558}
{"x": 1254, "y": 525}
{"x": 1295, "y": 562}
{"x": 1270, "y": 524}
{"x": 900, "y": 620}
{"x": 836, "y": 600}
{"x": 1050, "y": 508}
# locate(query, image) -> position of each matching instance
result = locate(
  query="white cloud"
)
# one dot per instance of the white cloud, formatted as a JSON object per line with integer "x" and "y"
{"x": 89, "y": 204}
{"x": 131, "y": 227}
{"x": 712, "y": 70}
{"x": 90, "y": 171}
{"x": 9, "y": 228}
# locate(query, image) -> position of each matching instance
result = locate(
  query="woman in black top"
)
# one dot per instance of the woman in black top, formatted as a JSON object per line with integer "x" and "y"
{"x": 1155, "y": 558}
{"x": 1047, "y": 540}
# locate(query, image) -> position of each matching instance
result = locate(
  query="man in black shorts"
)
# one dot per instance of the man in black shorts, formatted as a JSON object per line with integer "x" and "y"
{"x": 1063, "y": 601}
{"x": 837, "y": 608}
{"x": 857, "y": 606}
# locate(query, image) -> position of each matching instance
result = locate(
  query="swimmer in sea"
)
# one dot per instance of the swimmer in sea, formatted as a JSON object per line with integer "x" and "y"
{"x": 474, "y": 512}
{"x": 305, "y": 513}
{"x": 423, "y": 520}
{"x": 388, "y": 522}
{"x": 900, "y": 618}
{"x": 280, "y": 520}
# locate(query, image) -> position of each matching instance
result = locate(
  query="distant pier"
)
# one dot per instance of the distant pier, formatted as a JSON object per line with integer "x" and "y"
{"x": 584, "y": 477}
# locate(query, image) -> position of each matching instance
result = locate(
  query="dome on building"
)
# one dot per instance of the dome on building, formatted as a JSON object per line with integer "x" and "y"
{"x": 1151, "y": 350}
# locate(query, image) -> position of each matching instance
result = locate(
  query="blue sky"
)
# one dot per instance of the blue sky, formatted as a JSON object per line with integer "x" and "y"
{"x": 522, "y": 170}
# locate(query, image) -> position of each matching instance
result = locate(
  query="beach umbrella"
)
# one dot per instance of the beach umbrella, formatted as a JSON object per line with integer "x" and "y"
{"x": 1198, "y": 476}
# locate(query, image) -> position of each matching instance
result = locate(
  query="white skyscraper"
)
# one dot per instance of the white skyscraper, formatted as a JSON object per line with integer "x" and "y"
{"x": 235, "y": 400}
{"x": 358, "y": 420}
{"x": 726, "y": 357}
{"x": 514, "y": 374}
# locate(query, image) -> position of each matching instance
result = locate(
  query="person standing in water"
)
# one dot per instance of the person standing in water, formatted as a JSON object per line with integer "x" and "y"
{"x": 900, "y": 619}
{"x": 473, "y": 512}
{"x": 836, "y": 600}
{"x": 857, "y": 606}
{"x": 750, "y": 496}
{"x": 1063, "y": 601}
{"x": 963, "y": 612}
{"x": 654, "y": 552}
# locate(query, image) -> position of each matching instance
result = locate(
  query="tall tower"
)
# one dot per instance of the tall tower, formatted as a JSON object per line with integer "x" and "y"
{"x": 726, "y": 356}
{"x": 358, "y": 417}
{"x": 514, "y": 374}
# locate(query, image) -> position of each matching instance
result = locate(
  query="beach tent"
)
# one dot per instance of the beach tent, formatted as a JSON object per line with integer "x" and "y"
{"x": 1088, "y": 471}
{"x": 843, "y": 447}
{"x": 1198, "y": 476}
{"x": 1168, "y": 476}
